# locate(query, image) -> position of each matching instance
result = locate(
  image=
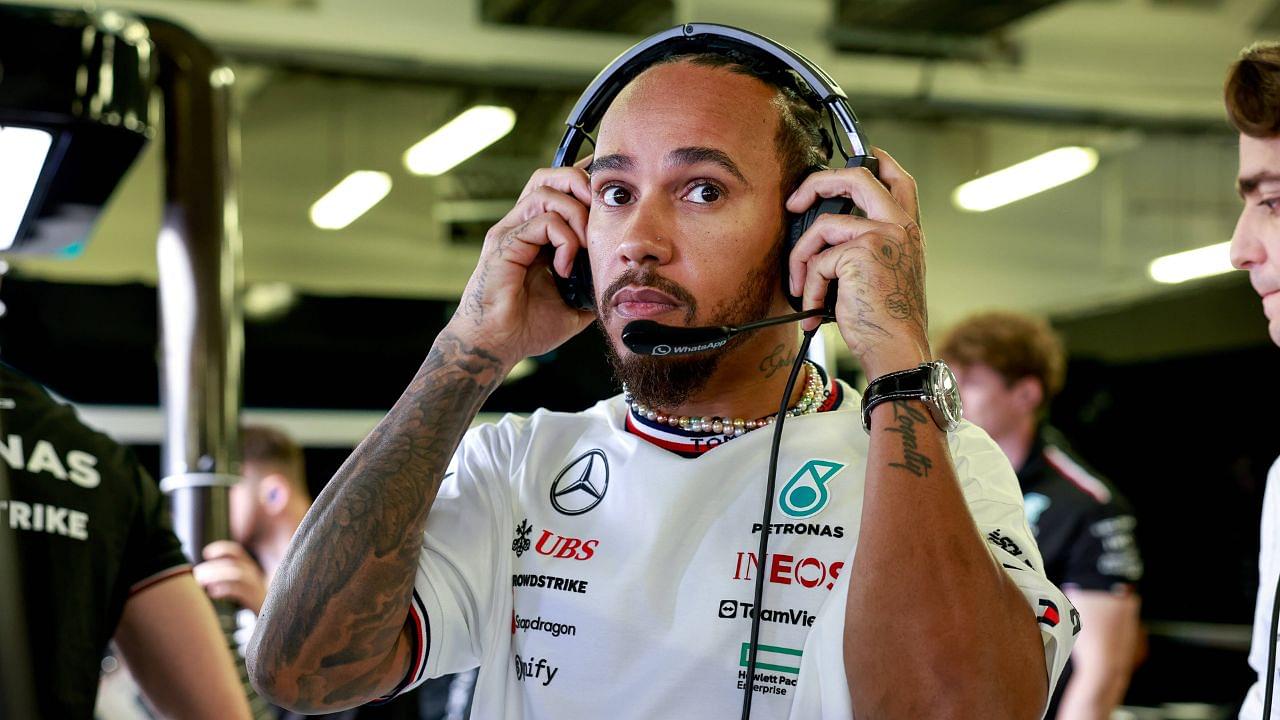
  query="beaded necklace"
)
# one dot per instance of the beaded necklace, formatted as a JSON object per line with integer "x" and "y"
{"x": 815, "y": 394}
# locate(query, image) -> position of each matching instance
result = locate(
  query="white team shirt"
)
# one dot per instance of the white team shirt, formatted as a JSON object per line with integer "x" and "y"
{"x": 1268, "y": 572}
{"x": 592, "y": 574}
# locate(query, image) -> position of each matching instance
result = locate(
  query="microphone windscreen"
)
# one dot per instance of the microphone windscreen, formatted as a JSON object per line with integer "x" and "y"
{"x": 646, "y": 337}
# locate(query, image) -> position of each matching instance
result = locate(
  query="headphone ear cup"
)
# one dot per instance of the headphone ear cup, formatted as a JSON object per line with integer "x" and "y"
{"x": 797, "y": 225}
{"x": 578, "y": 290}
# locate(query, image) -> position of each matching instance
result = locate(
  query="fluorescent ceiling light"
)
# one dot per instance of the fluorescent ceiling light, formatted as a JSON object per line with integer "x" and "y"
{"x": 22, "y": 155}
{"x": 1025, "y": 179}
{"x": 1192, "y": 264}
{"x": 350, "y": 199}
{"x": 459, "y": 139}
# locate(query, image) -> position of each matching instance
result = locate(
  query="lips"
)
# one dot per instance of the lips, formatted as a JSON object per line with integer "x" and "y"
{"x": 633, "y": 302}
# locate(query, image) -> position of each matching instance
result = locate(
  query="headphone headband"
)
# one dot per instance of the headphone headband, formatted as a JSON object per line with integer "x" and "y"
{"x": 692, "y": 38}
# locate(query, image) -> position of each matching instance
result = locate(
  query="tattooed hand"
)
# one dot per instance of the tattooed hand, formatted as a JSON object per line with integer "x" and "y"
{"x": 878, "y": 262}
{"x": 510, "y": 305}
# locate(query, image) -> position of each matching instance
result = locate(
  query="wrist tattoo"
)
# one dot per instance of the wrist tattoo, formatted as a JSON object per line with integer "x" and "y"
{"x": 906, "y": 416}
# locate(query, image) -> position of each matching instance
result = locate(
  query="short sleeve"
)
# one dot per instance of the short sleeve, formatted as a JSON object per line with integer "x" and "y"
{"x": 154, "y": 551}
{"x": 995, "y": 500}
{"x": 1104, "y": 555}
{"x": 458, "y": 602}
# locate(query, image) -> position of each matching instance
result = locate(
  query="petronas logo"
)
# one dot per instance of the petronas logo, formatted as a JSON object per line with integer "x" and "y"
{"x": 805, "y": 494}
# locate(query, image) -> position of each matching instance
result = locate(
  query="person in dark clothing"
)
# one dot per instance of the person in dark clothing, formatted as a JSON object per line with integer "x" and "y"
{"x": 98, "y": 561}
{"x": 1009, "y": 367}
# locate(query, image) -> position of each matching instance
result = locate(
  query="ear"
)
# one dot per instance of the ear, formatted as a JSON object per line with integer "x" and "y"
{"x": 274, "y": 493}
{"x": 1028, "y": 394}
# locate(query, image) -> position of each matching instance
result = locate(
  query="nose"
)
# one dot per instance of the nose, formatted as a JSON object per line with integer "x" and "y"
{"x": 1247, "y": 249}
{"x": 647, "y": 238}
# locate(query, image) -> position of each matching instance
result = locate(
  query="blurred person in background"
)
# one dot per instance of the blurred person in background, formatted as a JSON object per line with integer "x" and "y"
{"x": 99, "y": 560}
{"x": 1009, "y": 367}
{"x": 1253, "y": 104}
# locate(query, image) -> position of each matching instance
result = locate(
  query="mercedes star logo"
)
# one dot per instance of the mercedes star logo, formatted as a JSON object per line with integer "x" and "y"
{"x": 582, "y": 484}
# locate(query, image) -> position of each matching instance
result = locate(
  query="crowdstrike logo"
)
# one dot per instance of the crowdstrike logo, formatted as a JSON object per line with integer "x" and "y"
{"x": 806, "y": 494}
{"x": 581, "y": 485}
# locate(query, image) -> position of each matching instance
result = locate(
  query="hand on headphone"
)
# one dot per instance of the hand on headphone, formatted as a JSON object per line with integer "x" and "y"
{"x": 878, "y": 262}
{"x": 510, "y": 305}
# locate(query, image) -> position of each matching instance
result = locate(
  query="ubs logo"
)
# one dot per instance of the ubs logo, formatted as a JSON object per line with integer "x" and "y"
{"x": 582, "y": 484}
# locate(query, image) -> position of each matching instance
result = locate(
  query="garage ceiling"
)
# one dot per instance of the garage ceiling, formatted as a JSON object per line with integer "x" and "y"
{"x": 331, "y": 86}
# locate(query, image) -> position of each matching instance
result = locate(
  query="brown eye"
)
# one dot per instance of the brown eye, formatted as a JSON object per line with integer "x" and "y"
{"x": 704, "y": 194}
{"x": 615, "y": 196}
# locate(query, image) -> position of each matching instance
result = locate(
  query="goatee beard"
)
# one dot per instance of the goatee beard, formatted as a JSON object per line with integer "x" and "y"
{"x": 669, "y": 382}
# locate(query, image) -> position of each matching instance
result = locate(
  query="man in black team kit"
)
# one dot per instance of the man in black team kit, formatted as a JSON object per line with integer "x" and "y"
{"x": 1009, "y": 367}
{"x": 97, "y": 560}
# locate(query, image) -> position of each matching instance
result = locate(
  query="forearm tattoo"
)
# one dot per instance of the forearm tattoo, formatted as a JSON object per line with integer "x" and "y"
{"x": 906, "y": 416}
{"x": 343, "y": 589}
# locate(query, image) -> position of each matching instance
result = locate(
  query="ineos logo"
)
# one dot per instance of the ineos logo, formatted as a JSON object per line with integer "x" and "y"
{"x": 582, "y": 484}
{"x": 661, "y": 349}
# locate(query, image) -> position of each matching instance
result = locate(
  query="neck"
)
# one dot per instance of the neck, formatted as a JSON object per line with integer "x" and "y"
{"x": 1016, "y": 443}
{"x": 748, "y": 383}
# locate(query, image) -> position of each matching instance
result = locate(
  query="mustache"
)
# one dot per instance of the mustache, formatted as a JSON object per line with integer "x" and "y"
{"x": 647, "y": 277}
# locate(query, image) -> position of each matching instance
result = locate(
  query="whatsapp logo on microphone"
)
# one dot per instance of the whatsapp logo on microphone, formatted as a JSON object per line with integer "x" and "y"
{"x": 806, "y": 494}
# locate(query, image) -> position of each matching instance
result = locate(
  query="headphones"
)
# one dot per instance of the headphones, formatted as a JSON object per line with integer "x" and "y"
{"x": 577, "y": 289}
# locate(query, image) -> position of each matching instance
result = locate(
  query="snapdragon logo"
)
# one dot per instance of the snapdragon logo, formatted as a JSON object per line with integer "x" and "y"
{"x": 554, "y": 629}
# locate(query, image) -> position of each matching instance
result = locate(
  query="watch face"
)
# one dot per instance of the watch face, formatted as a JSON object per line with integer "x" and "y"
{"x": 946, "y": 394}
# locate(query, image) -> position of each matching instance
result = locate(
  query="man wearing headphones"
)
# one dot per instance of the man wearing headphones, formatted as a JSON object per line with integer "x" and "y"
{"x": 601, "y": 564}
{"x": 1253, "y": 105}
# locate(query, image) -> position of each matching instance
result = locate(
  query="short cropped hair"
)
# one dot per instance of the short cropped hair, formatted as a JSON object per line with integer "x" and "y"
{"x": 801, "y": 141}
{"x": 1014, "y": 345}
{"x": 1252, "y": 91}
{"x": 273, "y": 450}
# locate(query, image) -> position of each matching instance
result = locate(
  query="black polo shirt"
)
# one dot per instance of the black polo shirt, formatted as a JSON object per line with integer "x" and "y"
{"x": 1084, "y": 527}
{"x": 90, "y": 529}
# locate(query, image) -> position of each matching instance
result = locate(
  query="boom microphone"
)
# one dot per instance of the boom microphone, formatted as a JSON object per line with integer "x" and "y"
{"x": 646, "y": 337}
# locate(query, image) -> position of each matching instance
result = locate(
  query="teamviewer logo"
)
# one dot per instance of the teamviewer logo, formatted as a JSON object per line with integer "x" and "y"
{"x": 728, "y": 608}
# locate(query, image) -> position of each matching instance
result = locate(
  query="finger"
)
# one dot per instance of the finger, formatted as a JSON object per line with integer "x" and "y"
{"x": 543, "y": 200}
{"x": 569, "y": 180}
{"x": 227, "y": 591}
{"x": 523, "y": 243}
{"x": 822, "y": 269}
{"x": 829, "y": 230}
{"x": 585, "y": 162}
{"x": 225, "y": 549}
{"x": 857, "y": 184}
{"x": 900, "y": 183}
{"x": 214, "y": 571}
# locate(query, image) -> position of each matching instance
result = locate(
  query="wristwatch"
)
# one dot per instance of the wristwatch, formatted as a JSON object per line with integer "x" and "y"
{"x": 931, "y": 383}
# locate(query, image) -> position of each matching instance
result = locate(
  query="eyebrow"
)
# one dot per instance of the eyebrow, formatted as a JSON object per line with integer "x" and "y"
{"x": 610, "y": 162}
{"x": 696, "y": 155}
{"x": 1247, "y": 185}
{"x": 692, "y": 155}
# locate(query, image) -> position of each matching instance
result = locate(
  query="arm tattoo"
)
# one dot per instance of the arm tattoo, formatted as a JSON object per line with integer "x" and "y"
{"x": 906, "y": 416}
{"x": 343, "y": 590}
